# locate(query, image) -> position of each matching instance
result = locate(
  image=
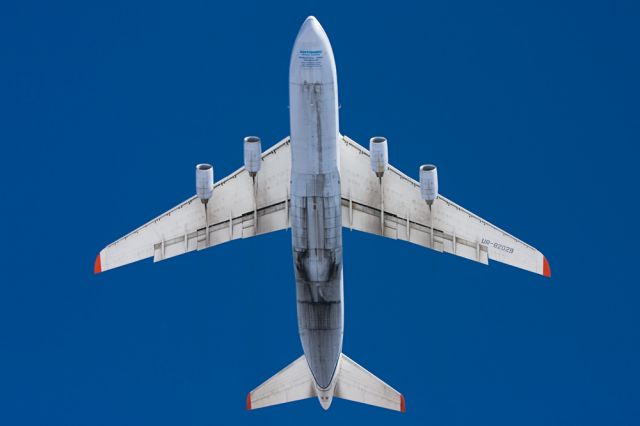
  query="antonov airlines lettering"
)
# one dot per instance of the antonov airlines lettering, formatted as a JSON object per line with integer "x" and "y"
{"x": 317, "y": 182}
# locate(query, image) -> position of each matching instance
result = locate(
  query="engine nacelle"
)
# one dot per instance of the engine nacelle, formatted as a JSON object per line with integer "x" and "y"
{"x": 204, "y": 182}
{"x": 429, "y": 183}
{"x": 379, "y": 155}
{"x": 252, "y": 154}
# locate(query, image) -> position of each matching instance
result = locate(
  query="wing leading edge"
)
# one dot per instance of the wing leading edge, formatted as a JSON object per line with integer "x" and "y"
{"x": 392, "y": 207}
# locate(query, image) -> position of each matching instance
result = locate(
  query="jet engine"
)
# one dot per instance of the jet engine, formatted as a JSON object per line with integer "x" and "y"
{"x": 429, "y": 183}
{"x": 379, "y": 155}
{"x": 204, "y": 182}
{"x": 252, "y": 155}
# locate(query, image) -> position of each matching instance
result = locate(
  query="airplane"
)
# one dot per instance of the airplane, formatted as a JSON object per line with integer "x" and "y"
{"x": 317, "y": 182}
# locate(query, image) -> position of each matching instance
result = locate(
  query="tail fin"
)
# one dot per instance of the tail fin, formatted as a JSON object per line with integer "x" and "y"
{"x": 357, "y": 384}
{"x": 351, "y": 382}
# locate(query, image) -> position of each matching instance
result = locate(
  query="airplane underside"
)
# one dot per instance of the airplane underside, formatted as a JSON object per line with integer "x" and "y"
{"x": 318, "y": 182}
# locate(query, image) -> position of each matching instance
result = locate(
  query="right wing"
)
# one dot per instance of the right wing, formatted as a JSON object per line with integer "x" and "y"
{"x": 233, "y": 212}
{"x": 394, "y": 208}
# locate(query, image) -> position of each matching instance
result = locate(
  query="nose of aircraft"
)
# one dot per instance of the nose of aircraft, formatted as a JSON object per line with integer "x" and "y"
{"x": 312, "y": 57}
{"x": 311, "y": 28}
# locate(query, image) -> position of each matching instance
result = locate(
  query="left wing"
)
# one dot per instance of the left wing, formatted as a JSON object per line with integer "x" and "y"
{"x": 392, "y": 207}
{"x": 235, "y": 211}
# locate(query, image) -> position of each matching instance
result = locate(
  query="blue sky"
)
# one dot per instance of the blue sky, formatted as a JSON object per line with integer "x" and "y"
{"x": 529, "y": 110}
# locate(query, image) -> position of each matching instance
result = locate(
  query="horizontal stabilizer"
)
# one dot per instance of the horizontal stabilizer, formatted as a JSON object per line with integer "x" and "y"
{"x": 357, "y": 384}
{"x": 351, "y": 382}
{"x": 293, "y": 383}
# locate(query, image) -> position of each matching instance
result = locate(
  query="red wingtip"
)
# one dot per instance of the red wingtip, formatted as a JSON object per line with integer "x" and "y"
{"x": 249, "y": 401}
{"x": 546, "y": 269}
{"x": 403, "y": 407}
{"x": 97, "y": 266}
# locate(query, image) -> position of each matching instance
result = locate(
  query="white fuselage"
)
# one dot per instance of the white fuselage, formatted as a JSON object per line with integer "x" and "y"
{"x": 316, "y": 202}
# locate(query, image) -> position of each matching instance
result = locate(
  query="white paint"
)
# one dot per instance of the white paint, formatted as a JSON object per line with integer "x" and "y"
{"x": 204, "y": 181}
{"x": 252, "y": 154}
{"x": 302, "y": 181}
{"x": 379, "y": 155}
{"x": 428, "y": 183}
